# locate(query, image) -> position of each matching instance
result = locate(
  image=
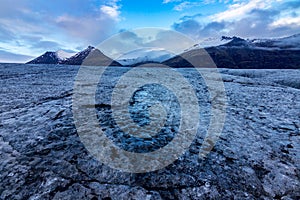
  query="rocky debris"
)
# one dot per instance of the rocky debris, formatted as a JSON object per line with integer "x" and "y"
{"x": 42, "y": 157}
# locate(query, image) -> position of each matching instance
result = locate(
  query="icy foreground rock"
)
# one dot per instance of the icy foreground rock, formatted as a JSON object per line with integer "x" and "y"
{"x": 42, "y": 157}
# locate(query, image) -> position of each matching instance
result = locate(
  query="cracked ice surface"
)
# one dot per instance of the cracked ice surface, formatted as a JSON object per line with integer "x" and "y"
{"x": 256, "y": 157}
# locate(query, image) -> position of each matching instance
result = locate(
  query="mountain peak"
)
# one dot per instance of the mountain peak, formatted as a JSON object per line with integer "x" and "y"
{"x": 78, "y": 58}
{"x": 226, "y": 38}
{"x": 236, "y": 42}
{"x": 90, "y": 47}
{"x": 90, "y": 55}
{"x": 280, "y": 53}
{"x": 48, "y": 57}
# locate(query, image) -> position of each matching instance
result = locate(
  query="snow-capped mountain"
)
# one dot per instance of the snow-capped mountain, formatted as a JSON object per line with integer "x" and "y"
{"x": 292, "y": 42}
{"x": 79, "y": 57}
{"x": 286, "y": 43}
{"x": 210, "y": 42}
{"x": 281, "y": 53}
{"x": 144, "y": 55}
{"x": 90, "y": 56}
{"x": 231, "y": 52}
{"x": 237, "y": 43}
{"x": 51, "y": 57}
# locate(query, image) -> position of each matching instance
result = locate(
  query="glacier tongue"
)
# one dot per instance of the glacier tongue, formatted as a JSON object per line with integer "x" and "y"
{"x": 145, "y": 55}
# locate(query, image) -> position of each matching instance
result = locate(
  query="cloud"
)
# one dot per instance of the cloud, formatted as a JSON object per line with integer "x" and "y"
{"x": 49, "y": 45}
{"x": 94, "y": 26}
{"x": 197, "y": 1}
{"x": 128, "y": 41}
{"x": 33, "y": 26}
{"x": 111, "y": 11}
{"x": 5, "y": 34}
{"x": 266, "y": 23}
{"x": 197, "y": 31}
{"x": 131, "y": 37}
{"x": 185, "y": 5}
{"x": 286, "y": 21}
{"x": 12, "y": 5}
{"x": 254, "y": 25}
{"x": 170, "y": 1}
{"x": 175, "y": 43}
{"x": 187, "y": 17}
{"x": 240, "y": 10}
{"x": 190, "y": 27}
{"x": 291, "y": 4}
{"x": 88, "y": 29}
{"x": 212, "y": 28}
{"x": 250, "y": 19}
{"x": 7, "y": 57}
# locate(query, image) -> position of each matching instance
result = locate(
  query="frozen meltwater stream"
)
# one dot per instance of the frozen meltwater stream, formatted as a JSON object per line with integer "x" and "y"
{"x": 42, "y": 157}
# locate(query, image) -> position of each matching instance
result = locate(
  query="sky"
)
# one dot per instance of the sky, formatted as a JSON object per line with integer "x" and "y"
{"x": 28, "y": 28}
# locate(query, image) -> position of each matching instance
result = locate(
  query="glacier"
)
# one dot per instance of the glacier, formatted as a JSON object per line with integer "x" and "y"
{"x": 42, "y": 156}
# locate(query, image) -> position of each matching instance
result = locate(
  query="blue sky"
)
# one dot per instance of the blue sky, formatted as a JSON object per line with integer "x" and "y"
{"x": 31, "y": 27}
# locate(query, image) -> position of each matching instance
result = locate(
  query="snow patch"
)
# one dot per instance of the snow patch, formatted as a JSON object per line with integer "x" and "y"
{"x": 63, "y": 55}
{"x": 145, "y": 55}
{"x": 286, "y": 43}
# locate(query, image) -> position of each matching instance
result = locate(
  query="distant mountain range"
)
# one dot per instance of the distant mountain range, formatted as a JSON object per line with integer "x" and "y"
{"x": 145, "y": 55}
{"x": 89, "y": 56}
{"x": 233, "y": 52}
{"x": 239, "y": 53}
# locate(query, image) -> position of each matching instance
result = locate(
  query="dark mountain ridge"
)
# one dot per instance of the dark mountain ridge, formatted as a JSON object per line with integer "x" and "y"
{"x": 89, "y": 56}
{"x": 239, "y": 53}
{"x": 47, "y": 58}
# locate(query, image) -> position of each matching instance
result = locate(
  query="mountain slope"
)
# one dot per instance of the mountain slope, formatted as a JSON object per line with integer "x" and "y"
{"x": 233, "y": 52}
{"x": 47, "y": 58}
{"x": 52, "y": 57}
{"x": 94, "y": 58}
{"x": 245, "y": 54}
{"x": 89, "y": 56}
{"x": 78, "y": 58}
